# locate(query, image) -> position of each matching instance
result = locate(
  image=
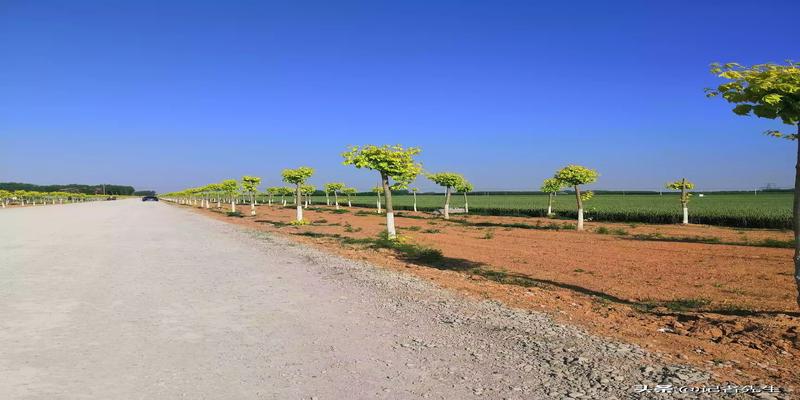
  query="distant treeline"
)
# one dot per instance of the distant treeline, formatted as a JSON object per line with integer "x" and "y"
{"x": 144, "y": 193}
{"x": 70, "y": 188}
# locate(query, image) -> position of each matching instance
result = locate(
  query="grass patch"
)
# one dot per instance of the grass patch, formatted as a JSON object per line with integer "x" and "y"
{"x": 277, "y": 224}
{"x": 234, "y": 214}
{"x": 488, "y": 235}
{"x": 320, "y": 221}
{"x": 686, "y": 304}
{"x": 432, "y": 231}
{"x": 413, "y": 228}
{"x": 349, "y": 228}
{"x": 782, "y": 244}
{"x": 302, "y": 222}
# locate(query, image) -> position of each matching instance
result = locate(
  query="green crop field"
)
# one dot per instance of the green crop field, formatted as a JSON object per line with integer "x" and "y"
{"x": 765, "y": 210}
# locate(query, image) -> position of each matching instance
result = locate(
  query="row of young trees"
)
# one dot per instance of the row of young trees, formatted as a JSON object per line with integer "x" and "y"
{"x": 396, "y": 167}
{"x": 30, "y": 197}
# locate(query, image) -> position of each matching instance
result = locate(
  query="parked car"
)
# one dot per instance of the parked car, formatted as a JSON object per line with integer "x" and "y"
{"x": 149, "y": 198}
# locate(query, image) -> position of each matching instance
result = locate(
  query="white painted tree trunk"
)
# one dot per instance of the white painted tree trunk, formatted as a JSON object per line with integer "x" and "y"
{"x": 233, "y": 205}
{"x": 466, "y": 204}
{"x": 299, "y": 212}
{"x": 327, "y": 199}
{"x": 447, "y": 204}
{"x": 336, "y": 200}
{"x": 686, "y": 215}
{"x": 580, "y": 219}
{"x": 253, "y": 208}
{"x": 415, "y": 201}
{"x": 390, "y": 229}
{"x": 549, "y": 210}
{"x": 379, "y": 204}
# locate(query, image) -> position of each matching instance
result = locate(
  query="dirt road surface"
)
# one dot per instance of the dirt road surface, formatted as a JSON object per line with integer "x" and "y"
{"x": 133, "y": 300}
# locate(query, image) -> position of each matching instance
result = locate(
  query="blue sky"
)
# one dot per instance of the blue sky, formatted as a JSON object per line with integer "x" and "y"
{"x": 172, "y": 94}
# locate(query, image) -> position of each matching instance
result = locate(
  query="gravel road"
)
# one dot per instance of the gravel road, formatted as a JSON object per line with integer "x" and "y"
{"x": 132, "y": 300}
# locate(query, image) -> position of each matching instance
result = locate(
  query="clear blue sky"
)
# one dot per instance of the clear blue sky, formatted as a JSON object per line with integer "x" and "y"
{"x": 171, "y": 94}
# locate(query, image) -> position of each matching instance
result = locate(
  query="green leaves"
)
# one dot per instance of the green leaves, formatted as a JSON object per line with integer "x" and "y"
{"x": 684, "y": 186}
{"x": 229, "y": 186}
{"x": 307, "y": 189}
{"x": 334, "y": 187}
{"x": 574, "y": 175}
{"x": 394, "y": 162}
{"x": 765, "y": 90}
{"x": 250, "y": 183}
{"x": 447, "y": 179}
{"x": 464, "y": 187}
{"x": 297, "y": 176}
{"x": 680, "y": 185}
{"x": 551, "y": 185}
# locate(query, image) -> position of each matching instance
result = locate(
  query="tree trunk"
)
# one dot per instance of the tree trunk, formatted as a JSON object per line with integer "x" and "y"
{"x": 466, "y": 203}
{"x": 415, "y": 201}
{"x": 336, "y": 199}
{"x": 379, "y": 202}
{"x": 684, "y": 202}
{"x": 580, "y": 207}
{"x": 796, "y": 221}
{"x": 297, "y": 203}
{"x": 349, "y": 202}
{"x": 447, "y": 203}
{"x": 233, "y": 204}
{"x": 550, "y": 205}
{"x": 390, "y": 230}
{"x": 252, "y": 205}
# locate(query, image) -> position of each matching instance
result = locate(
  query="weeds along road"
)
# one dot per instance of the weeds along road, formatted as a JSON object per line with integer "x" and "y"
{"x": 133, "y": 300}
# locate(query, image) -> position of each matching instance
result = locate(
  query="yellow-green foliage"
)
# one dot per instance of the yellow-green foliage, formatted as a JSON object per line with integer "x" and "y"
{"x": 297, "y": 176}
{"x": 764, "y": 90}
{"x": 394, "y": 162}
{"x": 574, "y": 175}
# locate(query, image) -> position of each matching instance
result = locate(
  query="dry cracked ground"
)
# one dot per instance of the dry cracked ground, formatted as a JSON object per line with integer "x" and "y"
{"x": 132, "y": 300}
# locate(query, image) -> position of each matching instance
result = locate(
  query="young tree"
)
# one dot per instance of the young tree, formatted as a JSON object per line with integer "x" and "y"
{"x": 271, "y": 193}
{"x": 230, "y": 187}
{"x": 768, "y": 91}
{"x": 334, "y": 188}
{"x": 378, "y": 190}
{"x": 684, "y": 186}
{"x": 298, "y": 177}
{"x": 307, "y": 191}
{"x": 551, "y": 186}
{"x": 392, "y": 163}
{"x": 348, "y": 191}
{"x": 285, "y": 191}
{"x": 414, "y": 193}
{"x": 465, "y": 187}
{"x": 250, "y": 186}
{"x": 574, "y": 176}
{"x": 449, "y": 180}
